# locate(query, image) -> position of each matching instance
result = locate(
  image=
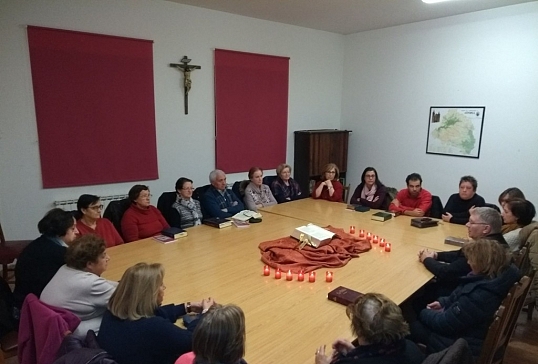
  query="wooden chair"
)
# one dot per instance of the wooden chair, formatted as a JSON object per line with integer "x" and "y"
{"x": 346, "y": 193}
{"x": 9, "y": 251}
{"x": 521, "y": 259}
{"x": 503, "y": 325}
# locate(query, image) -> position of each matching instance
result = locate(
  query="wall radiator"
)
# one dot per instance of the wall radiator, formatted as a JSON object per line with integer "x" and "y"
{"x": 70, "y": 205}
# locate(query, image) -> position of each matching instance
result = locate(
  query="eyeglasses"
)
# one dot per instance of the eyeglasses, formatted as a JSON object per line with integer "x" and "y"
{"x": 145, "y": 196}
{"x": 370, "y": 176}
{"x": 477, "y": 223}
{"x": 97, "y": 208}
{"x": 331, "y": 172}
{"x": 188, "y": 189}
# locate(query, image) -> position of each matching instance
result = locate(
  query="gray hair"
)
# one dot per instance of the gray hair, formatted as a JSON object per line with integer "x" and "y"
{"x": 213, "y": 175}
{"x": 491, "y": 217}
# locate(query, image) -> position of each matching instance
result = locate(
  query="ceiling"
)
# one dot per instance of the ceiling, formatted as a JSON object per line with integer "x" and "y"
{"x": 347, "y": 16}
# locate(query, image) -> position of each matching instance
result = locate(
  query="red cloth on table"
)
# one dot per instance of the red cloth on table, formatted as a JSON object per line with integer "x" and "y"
{"x": 284, "y": 253}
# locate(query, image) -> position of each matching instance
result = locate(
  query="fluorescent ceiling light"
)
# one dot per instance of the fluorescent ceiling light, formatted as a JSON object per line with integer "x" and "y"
{"x": 433, "y": 1}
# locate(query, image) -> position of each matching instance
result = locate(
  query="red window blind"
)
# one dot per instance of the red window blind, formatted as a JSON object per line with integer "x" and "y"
{"x": 94, "y": 106}
{"x": 251, "y": 110}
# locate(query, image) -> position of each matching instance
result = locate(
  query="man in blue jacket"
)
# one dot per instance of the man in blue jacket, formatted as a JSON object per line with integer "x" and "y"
{"x": 219, "y": 201}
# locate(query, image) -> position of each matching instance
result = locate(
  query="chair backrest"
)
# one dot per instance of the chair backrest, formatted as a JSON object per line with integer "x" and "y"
{"x": 521, "y": 260}
{"x": 268, "y": 180}
{"x": 115, "y": 210}
{"x": 503, "y": 325}
{"x": 200, "y": 191}
{"x": 165, "y": 202}
{"x": 346, "y": 193}
{"x": 493, "y": 206}
{"x": 458, "y": 351}
{"x": 391, "y": 195}
{"x": 436, "y": 210}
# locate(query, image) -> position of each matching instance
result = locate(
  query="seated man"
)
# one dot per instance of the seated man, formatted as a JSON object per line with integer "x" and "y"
{"x": 413, "y": 200}
{"x": 449, "y": 267}
{"x": 458, "y": 205}
{"x": 218, "y": 201}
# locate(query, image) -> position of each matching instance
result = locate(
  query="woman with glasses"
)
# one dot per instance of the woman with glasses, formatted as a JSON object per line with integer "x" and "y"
{"x": 78, "y": 286}
{"x": 186, "y": 211}
{"x": 141, "y": 220}
{"x": 89, "y": 221}
{"x": 370, "y": 192}
{"x": 138, "y": 329}
{"x": 328, "y": 187}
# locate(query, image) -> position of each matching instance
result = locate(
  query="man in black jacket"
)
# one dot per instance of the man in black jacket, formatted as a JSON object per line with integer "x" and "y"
{"x": 449, "y": 267}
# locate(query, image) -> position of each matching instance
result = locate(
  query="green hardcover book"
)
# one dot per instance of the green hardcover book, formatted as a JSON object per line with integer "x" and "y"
{"x": 381, "y": 216}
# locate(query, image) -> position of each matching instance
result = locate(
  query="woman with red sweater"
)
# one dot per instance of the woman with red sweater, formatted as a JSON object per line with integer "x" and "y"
{"x": 141, "y": 220}
{"x": 89, "y": 221}
{"x": 328, "y": 187}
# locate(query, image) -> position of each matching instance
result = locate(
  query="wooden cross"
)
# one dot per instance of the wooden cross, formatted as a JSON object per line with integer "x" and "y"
{"x": 186, "y": 69}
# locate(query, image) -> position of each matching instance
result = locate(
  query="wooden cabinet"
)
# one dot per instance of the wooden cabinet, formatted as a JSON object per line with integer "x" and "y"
{"x": 314, "y": 149}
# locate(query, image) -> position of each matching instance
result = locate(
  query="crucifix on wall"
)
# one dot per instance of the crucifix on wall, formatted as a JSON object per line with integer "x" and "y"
{"x": 186, "y": 69}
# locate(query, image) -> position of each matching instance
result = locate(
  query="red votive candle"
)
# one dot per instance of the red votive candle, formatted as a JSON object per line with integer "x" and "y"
{"x": 376, "y": 239}
{"x": 352, "y": 229}
{"x": 300, "y": 276}
{"x": 329, "y": 277}
{"x": 387, "y": 247}
{"x": 369, "y": 236}
{"x": 289, "y": 276}
{"x": 278, "y": 273}
{"x": 382, "y": 243}
{"x": 266, "y": 270}
{"x": 312, "y": 277}
{"x": 361, "y": 233}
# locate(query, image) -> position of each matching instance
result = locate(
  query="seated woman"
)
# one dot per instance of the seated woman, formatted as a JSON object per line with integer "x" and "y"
{"x": 284, "y": 187}
{"x": 257, "y": 194}
{"x": 469, "y": 310}
{"x": 516, "y": 213}
{"x": 136, "y": 329}
{"x": 42, "y": 258}
{"x": 89, "y": 209}
{"x": 458, "y": 205}
{"x": 141, "y": 220}
{"x": 78, "y": 286}
{"x": 186, "y": 211}
{"x": 212, "y": 344}
{"x": 328, "y": 187}
{"x": 370, "y": 192}
{"x": 509, "y": 194}
{"x": 380, "y": 329}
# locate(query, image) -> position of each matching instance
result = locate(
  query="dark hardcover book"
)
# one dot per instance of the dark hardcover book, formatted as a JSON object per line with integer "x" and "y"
{"x": 174, "y": 232}
{"x": 423, "y": 222}
{"x": 361, "y": 208}
{"x": 218, "y": 222}
{"x": 381, "y": 216}
{"x": 344, "y": 296}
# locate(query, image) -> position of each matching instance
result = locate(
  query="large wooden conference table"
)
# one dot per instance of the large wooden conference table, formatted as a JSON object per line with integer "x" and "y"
{"x": 286, "y": 320}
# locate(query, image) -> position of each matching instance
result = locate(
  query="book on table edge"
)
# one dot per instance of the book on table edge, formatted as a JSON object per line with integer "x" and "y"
{"x": 174, "y": 232}
{"x": 217, "y": 222}
{"x": 344, "y": 296}
{"x": 452, "y": 240}
{"x": 423, "y": 222}
{"x": 382, "y": 216}
{"x": 163, "y": 239}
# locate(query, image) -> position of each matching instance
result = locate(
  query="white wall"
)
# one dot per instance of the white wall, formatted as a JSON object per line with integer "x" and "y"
{"x": 185, "y": 142}
{"x": 394, "y": 75}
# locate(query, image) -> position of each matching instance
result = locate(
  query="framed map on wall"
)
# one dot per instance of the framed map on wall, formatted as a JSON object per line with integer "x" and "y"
{"x": 455, "y": 130}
